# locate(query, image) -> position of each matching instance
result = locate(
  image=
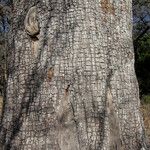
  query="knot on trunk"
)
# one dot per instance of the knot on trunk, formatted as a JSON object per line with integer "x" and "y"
{"x": 31, "y": 22}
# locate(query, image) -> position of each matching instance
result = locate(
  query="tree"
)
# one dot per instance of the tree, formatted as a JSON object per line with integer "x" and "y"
{"x": 4, "y": 17}
{"x": 141, "y": 36}
{"x": 71, "y": 79}
{"x": 141, "y": 13}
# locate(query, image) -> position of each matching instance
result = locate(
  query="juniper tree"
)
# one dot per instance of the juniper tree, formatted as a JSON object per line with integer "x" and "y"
{"x": 71, "y": 84}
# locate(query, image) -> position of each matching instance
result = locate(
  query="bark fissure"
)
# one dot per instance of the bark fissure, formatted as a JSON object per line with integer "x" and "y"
{"x": 79, "y": 91}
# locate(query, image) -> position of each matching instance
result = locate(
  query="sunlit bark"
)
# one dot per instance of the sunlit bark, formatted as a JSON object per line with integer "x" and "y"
{"x": 72, "y": 86}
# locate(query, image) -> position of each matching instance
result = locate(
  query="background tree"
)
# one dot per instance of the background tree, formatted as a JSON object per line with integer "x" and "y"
{"x": 4, "y": 28}
{"x": 141, "y": 35}
{"x": 71, "y": 79}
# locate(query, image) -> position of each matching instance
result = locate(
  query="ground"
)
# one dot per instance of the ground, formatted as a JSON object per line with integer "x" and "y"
{"x": 145, "y": 108}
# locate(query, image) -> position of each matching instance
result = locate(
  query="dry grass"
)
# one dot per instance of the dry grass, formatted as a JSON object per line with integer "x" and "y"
{"x": 146, "y": 116}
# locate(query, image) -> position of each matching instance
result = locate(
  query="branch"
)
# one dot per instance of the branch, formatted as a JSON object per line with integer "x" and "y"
{"x": 142, "y": 34}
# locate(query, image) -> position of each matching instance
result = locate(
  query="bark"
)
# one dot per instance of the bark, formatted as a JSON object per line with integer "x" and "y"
{"x": 72, "y": 86}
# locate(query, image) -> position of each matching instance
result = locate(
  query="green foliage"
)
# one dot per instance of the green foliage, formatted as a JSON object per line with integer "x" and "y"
{"x": 142, "y": 64}
{"x": 146, "y": 99}
{"x": 144, "y": 49}
{"x": 141, "y": 36}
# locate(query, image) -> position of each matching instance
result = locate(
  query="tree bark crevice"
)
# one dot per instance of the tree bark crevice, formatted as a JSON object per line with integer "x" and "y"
{"x": 79, "y": 91}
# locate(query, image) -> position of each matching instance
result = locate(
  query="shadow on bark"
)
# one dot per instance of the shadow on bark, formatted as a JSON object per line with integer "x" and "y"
{"x": 32, "y": 83}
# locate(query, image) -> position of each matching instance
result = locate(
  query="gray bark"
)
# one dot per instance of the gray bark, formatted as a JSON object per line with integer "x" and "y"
{"x": 72, "y": 86}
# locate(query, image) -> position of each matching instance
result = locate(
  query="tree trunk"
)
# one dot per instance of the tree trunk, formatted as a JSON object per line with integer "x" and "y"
{"x": 71, "y": 81}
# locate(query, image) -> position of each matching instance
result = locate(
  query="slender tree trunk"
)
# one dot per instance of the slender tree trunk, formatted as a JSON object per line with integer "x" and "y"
{"x": 72, "y": 85}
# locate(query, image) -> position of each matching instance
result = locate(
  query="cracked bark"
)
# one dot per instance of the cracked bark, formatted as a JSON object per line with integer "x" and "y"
{"x": 79, "y": 91}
